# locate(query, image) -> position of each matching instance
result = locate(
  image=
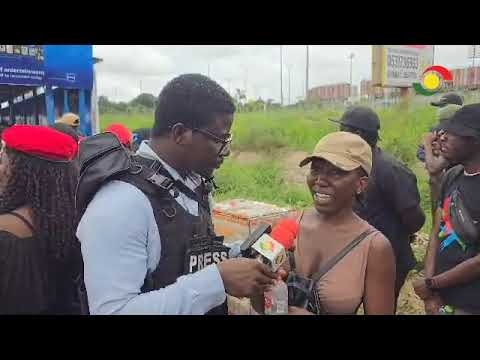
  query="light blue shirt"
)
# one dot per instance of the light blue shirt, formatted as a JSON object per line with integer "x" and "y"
{"x": 120, "y": 242}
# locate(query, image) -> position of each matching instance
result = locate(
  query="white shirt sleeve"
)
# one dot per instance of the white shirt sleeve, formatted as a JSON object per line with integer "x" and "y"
{"x": 118, "y": 234}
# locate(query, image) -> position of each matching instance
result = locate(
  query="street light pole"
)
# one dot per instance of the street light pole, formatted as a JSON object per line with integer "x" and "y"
{"x": 306, "y": 74}
{"x": 281, "y": 76}
{"x": 289, "y": 98}
{"x": 351, "y": 56}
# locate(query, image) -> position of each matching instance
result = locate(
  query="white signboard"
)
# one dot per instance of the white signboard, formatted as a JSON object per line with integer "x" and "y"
{"x": 474, "y": 51}
{"x": 400, "y": 65}
{"x": 404, "y": 64}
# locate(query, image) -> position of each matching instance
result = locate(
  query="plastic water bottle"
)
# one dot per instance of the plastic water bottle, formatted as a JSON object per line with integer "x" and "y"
{"x": 446, "y": 310}
{"x": 276, "y": 300}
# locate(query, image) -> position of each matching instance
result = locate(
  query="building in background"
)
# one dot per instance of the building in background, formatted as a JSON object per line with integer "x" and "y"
{"x": 467, "y": 78}
{"x": 334, "y": 93}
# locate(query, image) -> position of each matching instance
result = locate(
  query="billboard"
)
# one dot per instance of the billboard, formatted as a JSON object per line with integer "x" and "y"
{"x": 69, "y": 66}
{"x": 22, "y": 65}
{"x": 65, "y": 66}
{"x": 400, "y": 65}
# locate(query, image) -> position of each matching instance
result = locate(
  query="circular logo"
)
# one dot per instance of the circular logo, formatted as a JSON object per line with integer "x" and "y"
{"x": 433, "y": 80}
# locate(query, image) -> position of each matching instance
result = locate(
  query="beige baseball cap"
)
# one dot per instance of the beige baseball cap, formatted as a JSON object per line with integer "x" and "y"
{"x": 70, "y": 119}
{"x": 344, "y": 150}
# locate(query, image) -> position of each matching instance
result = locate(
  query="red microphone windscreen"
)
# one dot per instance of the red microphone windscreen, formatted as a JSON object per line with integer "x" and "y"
{"x": 285, "y": 232}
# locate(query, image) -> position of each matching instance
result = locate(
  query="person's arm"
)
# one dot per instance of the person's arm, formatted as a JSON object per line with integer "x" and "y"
{"x": 463, "y": 273}
{"x": 432, "y": 300}
{"x": 379, "y": 297}
{"x": 433, "y": 245}
{"x": 435, "y": 164}
{"x": 117, "y": 236}
{"x": 435, "y": 182}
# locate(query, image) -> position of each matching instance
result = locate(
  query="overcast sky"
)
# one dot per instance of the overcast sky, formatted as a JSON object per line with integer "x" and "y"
{"x": 126, "y": 70}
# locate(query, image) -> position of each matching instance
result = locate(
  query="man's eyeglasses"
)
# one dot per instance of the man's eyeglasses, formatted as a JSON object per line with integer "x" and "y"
{"x": 227, "y": 140}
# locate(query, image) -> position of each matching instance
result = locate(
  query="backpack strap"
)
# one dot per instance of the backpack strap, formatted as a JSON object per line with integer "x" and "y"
{"x": 154, "y": 172}
{"x": 449, "y": 177}
{"x": 290, "y": 253}
{"x": 333, "y": 261}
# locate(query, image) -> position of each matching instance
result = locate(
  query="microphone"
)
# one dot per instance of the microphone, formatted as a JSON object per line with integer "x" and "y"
{"x": 272, "y": 248}
{"x": 269, "y": 249}
{"x": 244, "y": 248}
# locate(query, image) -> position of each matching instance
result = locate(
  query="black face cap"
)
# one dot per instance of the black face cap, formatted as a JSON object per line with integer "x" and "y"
{"x": 360, "y": 117}
{"x": 450, "y": 98}
{"x": 465, "y": 122}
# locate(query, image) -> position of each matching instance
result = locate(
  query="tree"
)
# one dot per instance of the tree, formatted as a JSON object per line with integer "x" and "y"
{"x": 146, "y": 100}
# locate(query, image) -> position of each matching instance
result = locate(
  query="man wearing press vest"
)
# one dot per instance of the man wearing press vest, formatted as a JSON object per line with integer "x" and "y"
{"x": 151, "y": 252}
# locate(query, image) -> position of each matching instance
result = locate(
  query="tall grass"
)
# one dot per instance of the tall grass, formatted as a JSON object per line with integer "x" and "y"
{"x": 297, "y": 130}
{"x": 131, "y": 120}
{"x": 261, "y": 181}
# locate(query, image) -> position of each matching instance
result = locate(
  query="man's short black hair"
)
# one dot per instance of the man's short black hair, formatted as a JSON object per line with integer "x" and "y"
{"x": 191, "y": 99}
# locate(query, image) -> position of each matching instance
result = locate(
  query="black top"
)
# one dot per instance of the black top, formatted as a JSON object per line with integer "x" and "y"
{"x": 467, "y": 296}
{"x": 25, "y": 284}
{"x": 392, "y": 188}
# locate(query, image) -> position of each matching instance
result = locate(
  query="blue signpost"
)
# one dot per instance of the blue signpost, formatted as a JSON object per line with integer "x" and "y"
{"x": 62, "y": 75}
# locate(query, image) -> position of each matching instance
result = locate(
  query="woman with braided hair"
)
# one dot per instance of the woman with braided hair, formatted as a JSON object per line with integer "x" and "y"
{"x": 37, "y": 221}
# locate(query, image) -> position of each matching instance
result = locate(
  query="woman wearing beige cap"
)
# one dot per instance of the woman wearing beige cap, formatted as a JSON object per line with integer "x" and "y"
{"x": 339, "y": 169}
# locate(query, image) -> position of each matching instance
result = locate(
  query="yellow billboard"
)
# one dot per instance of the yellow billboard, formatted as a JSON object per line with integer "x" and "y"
{"x": 400, "y": 65}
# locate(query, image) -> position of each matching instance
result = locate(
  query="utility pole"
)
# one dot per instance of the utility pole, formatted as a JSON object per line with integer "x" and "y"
{"x": 245, "y": 84}
{"x": 229, "y": 82}
{"x": 473, "y": 65}
{"x": 351, "y": 56}
{"x": 281, "y": 76}
{"x": 306, "y": 75}
{"x": 140, "y": 86}
{"x": 208, "y": 70}
{"x": 289, "y": 98}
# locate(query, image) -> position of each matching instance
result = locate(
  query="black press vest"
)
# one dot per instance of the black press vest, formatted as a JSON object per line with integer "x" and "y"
{"x": 188, "y": 242}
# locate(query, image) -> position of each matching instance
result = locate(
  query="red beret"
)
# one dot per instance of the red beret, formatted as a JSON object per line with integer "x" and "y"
{"x": 40, "y": 141}
{"x": 122, "y": 132}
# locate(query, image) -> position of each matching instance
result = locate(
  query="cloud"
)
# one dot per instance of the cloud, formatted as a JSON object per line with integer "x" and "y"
{"x": 128, "y": 68}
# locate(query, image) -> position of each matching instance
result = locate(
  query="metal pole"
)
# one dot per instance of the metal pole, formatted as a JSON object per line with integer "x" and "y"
{"x": 351, "y": 56}
{"x": 306, "y": 74}
{"x": 473, "y": 64}
{"x": 229, "y": 82}
{"x": 246, "y": 83}
{"x": 289, "y": 98}
{"x": 281, "y": 76}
